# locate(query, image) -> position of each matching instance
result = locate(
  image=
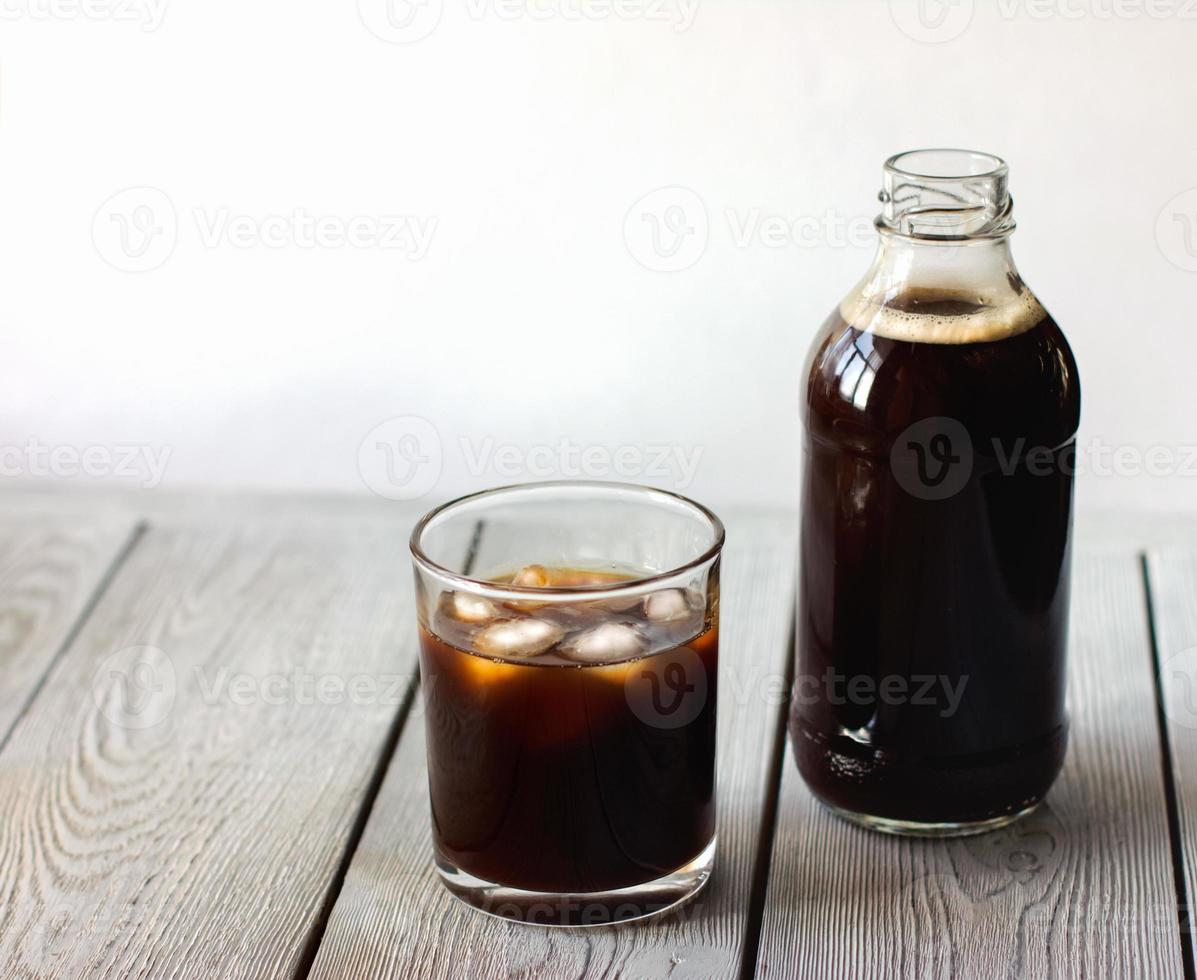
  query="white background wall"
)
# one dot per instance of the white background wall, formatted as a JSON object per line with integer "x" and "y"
{"x": 521, "y": 136}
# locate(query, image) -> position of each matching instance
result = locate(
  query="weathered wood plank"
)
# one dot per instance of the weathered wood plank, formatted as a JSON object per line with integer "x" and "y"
{"x": 162, "y": 507}
{"x": 50, "y": 570}
{"x": 1172, "y": 580}
{"x": 184, "y": 813}
{"x": 393, "y": 919}
{"x": 1083, "y": 887}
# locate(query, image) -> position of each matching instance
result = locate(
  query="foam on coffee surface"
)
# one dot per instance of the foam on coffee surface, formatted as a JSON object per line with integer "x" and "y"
{"x": 1007, "y": 317}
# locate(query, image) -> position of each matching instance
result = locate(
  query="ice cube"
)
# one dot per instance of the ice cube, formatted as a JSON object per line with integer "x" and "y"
{"x": 532, "y": 577}
{"x": 517, "y": 637}
{"x": 466, "y": 608}
{"x": 670, "y": 605}
{"x": 605, "y": 644}
{"x": 570, "y": 615}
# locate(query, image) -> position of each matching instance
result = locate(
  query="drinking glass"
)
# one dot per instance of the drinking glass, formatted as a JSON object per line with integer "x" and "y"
{"x": 568, "y": 662}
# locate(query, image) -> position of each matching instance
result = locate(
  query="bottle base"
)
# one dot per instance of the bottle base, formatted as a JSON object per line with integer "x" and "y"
{"x": 913, "y": 828}
{"x": 582, "y": 909}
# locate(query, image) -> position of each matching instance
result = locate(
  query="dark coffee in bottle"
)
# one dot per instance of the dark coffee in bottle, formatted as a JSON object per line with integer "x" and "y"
{"x": 941, "y": 411}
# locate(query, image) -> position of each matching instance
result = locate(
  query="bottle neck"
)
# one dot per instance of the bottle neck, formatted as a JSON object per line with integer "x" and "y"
{"x": 946, "y": 195}
{"x": 980, "y": 272}
{"x": 943, "y": 272}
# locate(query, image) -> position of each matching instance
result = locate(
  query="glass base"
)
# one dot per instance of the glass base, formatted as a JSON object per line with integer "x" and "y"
{"x": 914, "y": 828}
{"x": 581, "y": 909}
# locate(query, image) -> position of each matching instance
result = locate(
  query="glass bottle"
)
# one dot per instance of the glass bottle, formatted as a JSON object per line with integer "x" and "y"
{"x": 941, "y": 411}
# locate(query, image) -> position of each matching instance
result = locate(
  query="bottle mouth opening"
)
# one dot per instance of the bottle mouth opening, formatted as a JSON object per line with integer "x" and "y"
{"x": 946, "y": 195}
{"x": 945, "y": 164}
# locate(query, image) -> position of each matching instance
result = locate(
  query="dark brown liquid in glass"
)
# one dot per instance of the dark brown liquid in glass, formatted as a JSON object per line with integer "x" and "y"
{"x": 972, "y": 587}
{"x": 545, "y": 776}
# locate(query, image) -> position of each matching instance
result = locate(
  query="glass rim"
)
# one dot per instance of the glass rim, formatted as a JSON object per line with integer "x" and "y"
{"x": 640, "y": 583}
{"x": 996, "y": 165}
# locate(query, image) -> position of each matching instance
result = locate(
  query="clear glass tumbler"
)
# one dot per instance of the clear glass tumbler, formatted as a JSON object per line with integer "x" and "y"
{"x": 569, "y": 661}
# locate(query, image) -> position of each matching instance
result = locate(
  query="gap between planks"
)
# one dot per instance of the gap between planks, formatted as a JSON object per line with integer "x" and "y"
{"x": 1173, "y": 628}
{"x": 312, "y": 946}
{"x": 107, "y": 575}
{"x": 764, "y": 852}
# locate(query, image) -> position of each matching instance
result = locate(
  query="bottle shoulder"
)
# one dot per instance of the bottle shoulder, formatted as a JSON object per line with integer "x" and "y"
{"x": 1025, "y": 381}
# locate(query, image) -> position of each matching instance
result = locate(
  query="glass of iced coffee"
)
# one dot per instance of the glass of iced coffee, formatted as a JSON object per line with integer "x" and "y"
{"x": 568, "y": 661}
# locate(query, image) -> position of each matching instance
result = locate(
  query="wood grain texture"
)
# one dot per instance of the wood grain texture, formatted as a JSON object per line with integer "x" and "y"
{"x": 1172, "y": 576}
{"x": 1082, "y": 888}
{"x": 183, "y": 814}
{"x": 393, "y": 919}
{"x": 168, "y": 507}
{"x": 50, "y": 569}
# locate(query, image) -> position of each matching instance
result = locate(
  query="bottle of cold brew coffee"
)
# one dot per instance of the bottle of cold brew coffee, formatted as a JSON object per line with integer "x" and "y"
{"x": 941, "y": 410}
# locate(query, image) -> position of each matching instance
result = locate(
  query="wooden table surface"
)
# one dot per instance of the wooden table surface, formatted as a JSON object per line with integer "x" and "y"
{"x": 212, "y": 765}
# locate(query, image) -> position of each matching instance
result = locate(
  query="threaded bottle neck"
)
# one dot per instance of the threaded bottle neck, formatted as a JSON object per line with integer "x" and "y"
{"x": 946, "y": 196}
